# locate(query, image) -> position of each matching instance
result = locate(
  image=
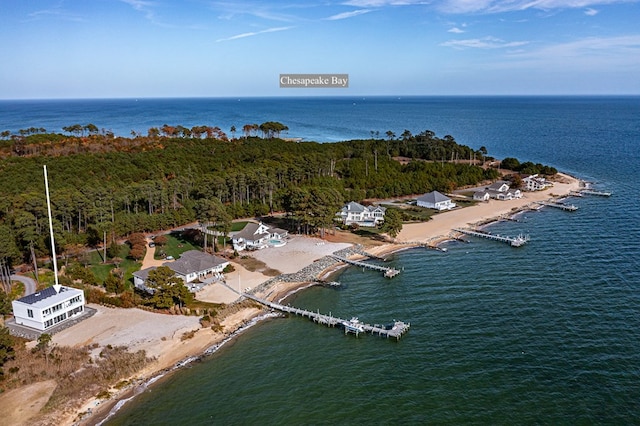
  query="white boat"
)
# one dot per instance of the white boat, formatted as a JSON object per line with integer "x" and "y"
{"x": 354, "y": 325}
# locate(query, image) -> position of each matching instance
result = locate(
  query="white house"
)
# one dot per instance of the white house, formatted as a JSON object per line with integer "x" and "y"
{"x": 258, "y": 235}
{"x": 499, "y": 186}
{"x": 354, "y": 212}
{"x": 192, "y": 265}
{"x": 435, "y": 200}
{"x": 46, "y": 308}
{"x": 481, "y": 195}
{"x": 535, "y": 183}
{"x": 500, "y": 190}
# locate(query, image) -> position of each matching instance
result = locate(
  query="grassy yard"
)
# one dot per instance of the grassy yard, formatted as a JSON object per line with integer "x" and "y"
{"x": 238, "y": 226}
{"x": 102, "y": 270}
{"x": 176, "y": 245}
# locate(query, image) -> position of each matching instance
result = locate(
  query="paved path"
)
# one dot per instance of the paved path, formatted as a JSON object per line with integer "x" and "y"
{"x": 29, "y": 284}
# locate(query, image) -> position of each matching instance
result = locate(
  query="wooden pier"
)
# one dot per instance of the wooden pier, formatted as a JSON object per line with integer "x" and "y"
{"x": 388, "y": 272}
{"x": 518, "y": 241}
{"x": 397, "y": 329}
{"x": 565, "y": 207}
{"x": 598, "y": 193}
{"x": 369, "y": 255}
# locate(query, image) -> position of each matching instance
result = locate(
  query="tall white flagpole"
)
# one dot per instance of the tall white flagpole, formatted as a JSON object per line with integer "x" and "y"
{"x": 53, "y": 243}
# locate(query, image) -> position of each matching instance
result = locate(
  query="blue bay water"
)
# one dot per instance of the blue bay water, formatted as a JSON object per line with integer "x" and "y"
{"x": 545, "y": 334}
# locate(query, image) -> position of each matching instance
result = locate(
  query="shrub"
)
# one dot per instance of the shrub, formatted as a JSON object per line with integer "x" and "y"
{"x": 205, "y": 321}
{"x": 188, "y": 335}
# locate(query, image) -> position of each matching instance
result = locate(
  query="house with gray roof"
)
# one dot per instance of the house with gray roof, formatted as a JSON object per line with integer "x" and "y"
{"x": 48, "y": 307}
{"x": 356, "y": 213}
{"x": 535, "y": 183}
{"x": 435, "y": 200}
{"x": 257, "y": 236}
{"x": 501, "y": 190}
{"x": 193, "y": 265}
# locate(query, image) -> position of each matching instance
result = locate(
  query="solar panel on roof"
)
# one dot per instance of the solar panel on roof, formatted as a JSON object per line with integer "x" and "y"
{"x": 41, "y": 295}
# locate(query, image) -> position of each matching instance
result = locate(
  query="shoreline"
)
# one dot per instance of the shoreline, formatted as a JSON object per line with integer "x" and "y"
{"x": 110, "y": 407}
{"x": 94, "y": 411}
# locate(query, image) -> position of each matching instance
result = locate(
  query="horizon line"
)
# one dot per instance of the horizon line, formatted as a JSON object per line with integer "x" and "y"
{"x": 136, "y": 98}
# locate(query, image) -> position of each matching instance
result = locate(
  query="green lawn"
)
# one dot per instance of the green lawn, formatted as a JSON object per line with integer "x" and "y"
{"x": 238, "y": 226}
{"x": 101, "y": 270}
{"x": 175, "y": 246}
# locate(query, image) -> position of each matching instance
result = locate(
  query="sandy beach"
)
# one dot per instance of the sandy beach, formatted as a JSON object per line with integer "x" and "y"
{"x": 440, "y": 226}
{"x": 160, "y": 334}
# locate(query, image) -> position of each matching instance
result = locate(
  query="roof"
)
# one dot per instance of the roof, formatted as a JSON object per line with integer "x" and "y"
{"x": 433, "y": 197}
{"x": 49, "y": 296}
{"x": 249, "y": 232}
{"x": 497, "y": 185}
{"x": 278, "y": 231}
{"x": 354, "y": 207}
{"x": 143, "y": 274}
{"x": 194, "y": 261}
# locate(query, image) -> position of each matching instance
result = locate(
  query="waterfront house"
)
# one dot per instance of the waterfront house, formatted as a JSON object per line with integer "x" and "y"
{"x": 481, "y": 195}
{"x": 499, "y": 186}
{"x": 501, "y": 190}
{"x": 257, "y": 236}
{"x": 353, "y": 212}
{"x": 435, "y": 200}
{"x": 191, "y": 266}
{"x": 535, "y": 183}
{"x": 48, "y": 307}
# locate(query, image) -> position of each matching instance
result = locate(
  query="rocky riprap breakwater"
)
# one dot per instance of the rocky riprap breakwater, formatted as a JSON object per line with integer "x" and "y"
{"x": 309, "y": 273}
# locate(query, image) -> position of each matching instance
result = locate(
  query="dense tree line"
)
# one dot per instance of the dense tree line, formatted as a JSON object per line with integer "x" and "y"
{"x": 527, "y": 168}
{"x": 119, "y": 186}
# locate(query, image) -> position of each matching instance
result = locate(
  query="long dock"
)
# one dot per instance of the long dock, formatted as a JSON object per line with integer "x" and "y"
{"x": 565, "y": 207}
{"x": 598, "y": 193}
{"x": 397, "y": 329}
{"x": 518, "y": 241}
{"x": 388, "y": 272}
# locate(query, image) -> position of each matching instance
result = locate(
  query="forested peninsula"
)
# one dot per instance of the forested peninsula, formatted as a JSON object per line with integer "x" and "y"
{"x": 114, "y": 186}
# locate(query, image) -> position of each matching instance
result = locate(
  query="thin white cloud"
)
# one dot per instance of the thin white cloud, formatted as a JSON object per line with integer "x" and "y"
{"x": 483, "y": 43}
{"x": 382, "y": 3}
{"x": 347, "y": 15}
{"x": 455, "y": 30}
{"x": 591, "y": 12}
{"x": 229, "y": 10}
{"x": 56, "y": 12}
{"x": 144, "y": 7}
{"x": 592, "y": 48}
{"x": 147, "y": 9}
{"x": 254, "y": 33}
{"x": 497, "y": 6}
{"x": 607, "y": 55}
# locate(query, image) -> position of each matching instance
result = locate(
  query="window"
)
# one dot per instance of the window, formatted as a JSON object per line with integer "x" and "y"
{"x": 30, "y": 313}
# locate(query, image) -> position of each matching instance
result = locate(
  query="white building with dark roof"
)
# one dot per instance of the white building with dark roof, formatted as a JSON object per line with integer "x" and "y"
{"x": 435, "y": 200}
{"x": 257, "y": 236}
{"x": 354, "y": 212}
{"x": 193, "y": 265}
{"x": 499, "y": 190}
{"x": 46, "y": 308}
{"x": 535, "y": 183}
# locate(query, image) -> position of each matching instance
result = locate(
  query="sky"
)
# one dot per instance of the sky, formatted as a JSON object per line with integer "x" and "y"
{"x": 199, "y": 48}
